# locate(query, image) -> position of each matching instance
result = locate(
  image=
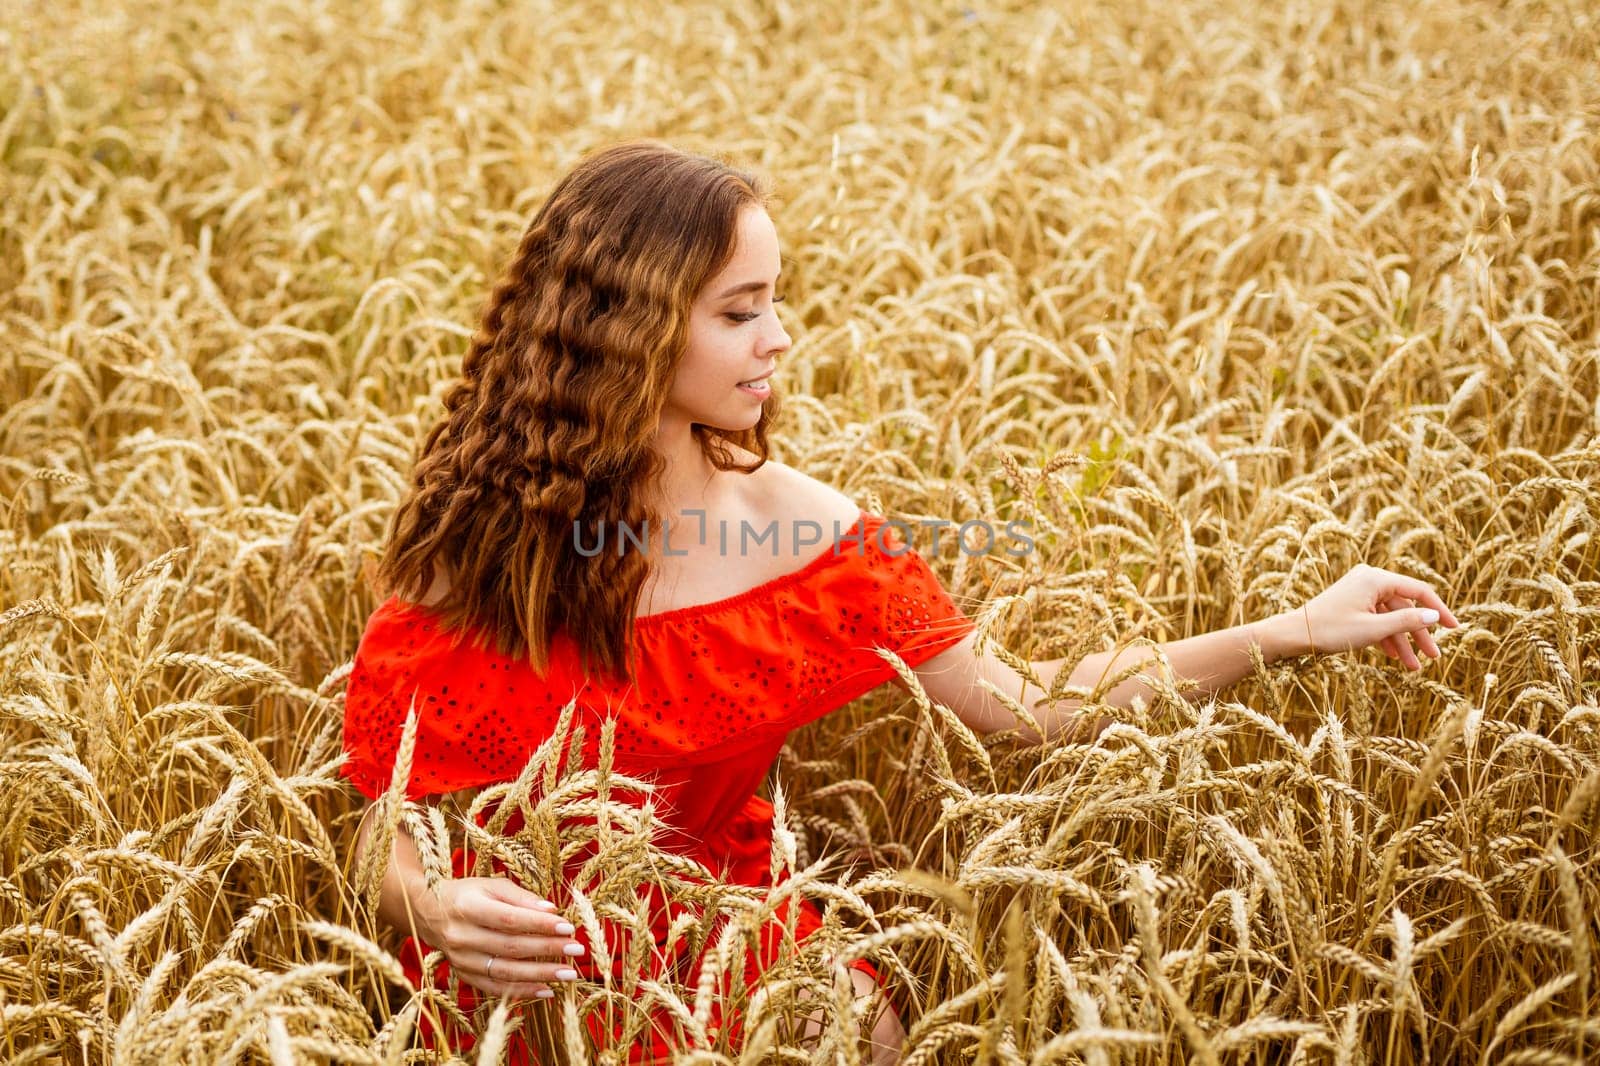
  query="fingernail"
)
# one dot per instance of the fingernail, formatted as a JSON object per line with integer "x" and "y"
{"x": 565, "y": 929}
{"x": 544, "y": 904}
{"x": 1429, "y": 616}
{"x": 566, "y": 975}
{"x": 573, "y": 949}
{"x": 545, "y": 993}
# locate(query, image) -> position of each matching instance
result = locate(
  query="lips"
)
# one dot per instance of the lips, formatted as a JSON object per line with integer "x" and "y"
{"x": 759, "y": 380}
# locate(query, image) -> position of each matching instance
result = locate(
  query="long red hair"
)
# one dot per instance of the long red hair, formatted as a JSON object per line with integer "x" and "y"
{"x": 560, "y": 393}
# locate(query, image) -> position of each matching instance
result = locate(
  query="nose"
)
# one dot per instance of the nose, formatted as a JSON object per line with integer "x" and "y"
{"x": 776, "y": 339}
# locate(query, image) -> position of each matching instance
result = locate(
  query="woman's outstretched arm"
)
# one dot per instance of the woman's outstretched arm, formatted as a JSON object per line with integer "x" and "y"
{"x": 1366, "y": 607}
{"x": 1213, "y": 660}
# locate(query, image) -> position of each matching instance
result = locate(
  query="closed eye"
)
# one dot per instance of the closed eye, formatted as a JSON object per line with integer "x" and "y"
{"x": 751, "y": 316}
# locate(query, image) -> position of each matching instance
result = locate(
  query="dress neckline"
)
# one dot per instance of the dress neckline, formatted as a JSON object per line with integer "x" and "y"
{"x": 694, "y": 610}
{"x": 678, "y": 614}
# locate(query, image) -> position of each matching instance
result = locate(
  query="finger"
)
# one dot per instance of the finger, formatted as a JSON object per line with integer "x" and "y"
{"x": 1425, "y": 642}
{"x": 502, "y": 917}
{"x": 488, "y": 941}
{"x": 1421, "y": 637}
{"x": 1399, "y": 620}
{"x": 510, "y": 989}
{"x": 1391, "y": 646}
{"x": 547, "y": 948}
{"x": 503, "y": 888}
{"x": 1420, "y": 591}
{"x": 522, "y": 972}
{"x": 1408, "y": 657}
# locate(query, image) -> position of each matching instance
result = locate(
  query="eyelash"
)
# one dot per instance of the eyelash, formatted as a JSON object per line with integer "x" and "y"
{"x": 751, "y": 316}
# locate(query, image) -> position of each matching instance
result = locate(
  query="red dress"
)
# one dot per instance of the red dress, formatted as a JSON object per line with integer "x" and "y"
{"x": 719, "y": 686}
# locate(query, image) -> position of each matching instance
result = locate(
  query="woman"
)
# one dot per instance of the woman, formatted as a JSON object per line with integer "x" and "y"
{"x": 580, "y": 520}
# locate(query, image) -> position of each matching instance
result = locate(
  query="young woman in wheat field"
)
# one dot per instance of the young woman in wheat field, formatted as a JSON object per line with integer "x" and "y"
{"x": 620, "y": 381}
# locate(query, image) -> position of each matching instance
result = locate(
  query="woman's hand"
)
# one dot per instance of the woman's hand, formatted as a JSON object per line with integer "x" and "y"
{"x": 500, "y": 938}
{"x": 1371, "y": 606}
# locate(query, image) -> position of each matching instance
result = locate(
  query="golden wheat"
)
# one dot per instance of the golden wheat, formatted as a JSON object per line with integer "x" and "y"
{"x": 1220, "y": 300}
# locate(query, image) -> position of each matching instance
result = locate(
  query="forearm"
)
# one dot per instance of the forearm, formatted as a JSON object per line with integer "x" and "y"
{"x": 1212, "y": 660}
{"x": 404, "y": 900}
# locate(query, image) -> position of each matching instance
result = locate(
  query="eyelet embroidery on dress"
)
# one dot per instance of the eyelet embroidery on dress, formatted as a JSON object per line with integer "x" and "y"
{"x": 788, "y": 658}
{"x": 763, "y": 663}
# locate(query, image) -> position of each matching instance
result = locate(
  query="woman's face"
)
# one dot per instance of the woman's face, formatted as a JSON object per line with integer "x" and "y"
{"x": 734, "y": 335}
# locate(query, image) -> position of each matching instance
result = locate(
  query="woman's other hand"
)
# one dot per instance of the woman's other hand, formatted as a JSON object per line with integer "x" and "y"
{"x": 500, "y": 938}
{"x": 1370, "y": 606}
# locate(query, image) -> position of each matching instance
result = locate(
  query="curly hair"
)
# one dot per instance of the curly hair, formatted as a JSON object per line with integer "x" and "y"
{"x": 561, "y": 389}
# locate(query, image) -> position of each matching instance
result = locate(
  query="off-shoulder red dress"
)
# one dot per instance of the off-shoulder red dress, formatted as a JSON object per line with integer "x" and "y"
{"x": 718, "y": 687}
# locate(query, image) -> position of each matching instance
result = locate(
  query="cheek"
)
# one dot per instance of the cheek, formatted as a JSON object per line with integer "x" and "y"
{"x": 697, "y": 372}
{"x": 716, "y": 349}
{"x": 704, "y": 350}
{"x": 713, "y": 358}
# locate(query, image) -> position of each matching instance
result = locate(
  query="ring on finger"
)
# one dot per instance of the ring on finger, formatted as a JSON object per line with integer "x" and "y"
{"x": 488, "y": 971}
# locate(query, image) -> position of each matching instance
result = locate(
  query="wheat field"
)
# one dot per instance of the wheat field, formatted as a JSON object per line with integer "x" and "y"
{"x": 1223, "y": 299}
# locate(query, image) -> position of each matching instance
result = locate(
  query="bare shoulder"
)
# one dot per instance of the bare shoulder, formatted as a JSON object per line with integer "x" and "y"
{"x": 779, "y": 491}
{"x": 775, "y": 493}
